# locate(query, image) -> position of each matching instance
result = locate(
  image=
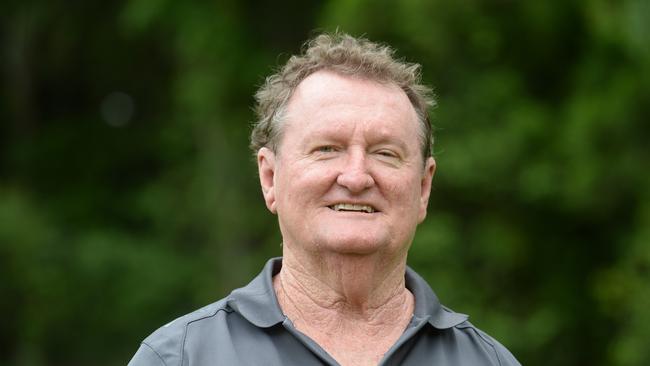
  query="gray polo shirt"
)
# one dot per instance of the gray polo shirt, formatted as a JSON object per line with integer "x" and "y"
{"x": 248, "y": 328}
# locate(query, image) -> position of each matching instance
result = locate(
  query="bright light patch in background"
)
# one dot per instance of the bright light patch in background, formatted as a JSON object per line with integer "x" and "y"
{"x": 117, "y": 109}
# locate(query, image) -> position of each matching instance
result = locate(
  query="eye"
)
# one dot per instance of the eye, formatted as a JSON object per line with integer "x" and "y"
{"x": 326, "y": 149}
{"x": 387, "y": 153}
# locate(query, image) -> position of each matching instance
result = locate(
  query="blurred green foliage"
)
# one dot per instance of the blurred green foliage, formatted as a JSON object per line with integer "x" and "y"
{"x": 128, "y": 196}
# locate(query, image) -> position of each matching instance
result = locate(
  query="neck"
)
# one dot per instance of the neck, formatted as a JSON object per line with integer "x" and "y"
{"x": 357, "y": 282}
{"x": 339, "y": 300}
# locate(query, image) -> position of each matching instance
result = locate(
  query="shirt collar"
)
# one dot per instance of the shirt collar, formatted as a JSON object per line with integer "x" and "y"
{"x": 257, "y": 301}
{"x": 258, "y": 304}
{"x": 427, "y": 305}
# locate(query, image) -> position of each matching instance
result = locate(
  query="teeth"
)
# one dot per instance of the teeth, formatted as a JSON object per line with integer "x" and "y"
{"x": 352, "y": 207}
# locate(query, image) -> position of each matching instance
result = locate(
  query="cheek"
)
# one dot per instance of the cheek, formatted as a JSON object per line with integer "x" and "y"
{"x": 404, "y": 195}
{"x": 304, "y": 183}
{"x": 403, "y": 188}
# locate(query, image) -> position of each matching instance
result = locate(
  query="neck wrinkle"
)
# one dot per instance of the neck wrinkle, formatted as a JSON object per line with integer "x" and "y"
{"x": 343, "y": 288}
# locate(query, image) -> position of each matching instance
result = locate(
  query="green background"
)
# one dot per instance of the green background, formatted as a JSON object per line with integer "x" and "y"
{"x": 128, "y": 196}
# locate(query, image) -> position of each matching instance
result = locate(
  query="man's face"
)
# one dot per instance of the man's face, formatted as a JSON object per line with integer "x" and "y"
{"x": 348, "y": 176}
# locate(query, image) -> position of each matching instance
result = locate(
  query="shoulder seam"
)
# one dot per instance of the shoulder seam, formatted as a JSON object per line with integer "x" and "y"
{"x": 486, "y": 340}
{"x": 182, "y": 354}
{"x": 155, "y": 352}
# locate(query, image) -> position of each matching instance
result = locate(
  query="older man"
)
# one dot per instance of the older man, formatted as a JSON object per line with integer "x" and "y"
{"x": 343, "y": 151}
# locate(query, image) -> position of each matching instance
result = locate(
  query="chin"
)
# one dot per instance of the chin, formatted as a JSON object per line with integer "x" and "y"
{"x": 354, "y": 245}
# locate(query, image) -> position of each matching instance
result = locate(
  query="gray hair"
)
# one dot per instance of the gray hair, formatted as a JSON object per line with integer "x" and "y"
{"x": 346, "y": 55}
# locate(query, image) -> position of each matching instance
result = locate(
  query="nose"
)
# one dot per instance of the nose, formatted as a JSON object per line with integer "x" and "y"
{"x": 354, "y": 174}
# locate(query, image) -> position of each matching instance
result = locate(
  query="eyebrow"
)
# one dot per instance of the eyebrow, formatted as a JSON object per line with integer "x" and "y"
{"x": 389, "y": 139}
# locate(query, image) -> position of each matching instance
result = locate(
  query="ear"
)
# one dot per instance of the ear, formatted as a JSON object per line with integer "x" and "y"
{"x": 425, "y": 187}
{"x": 266, "y": 169}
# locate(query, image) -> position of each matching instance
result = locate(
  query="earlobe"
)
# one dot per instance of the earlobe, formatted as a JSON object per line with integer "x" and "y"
{"x": 266, "y": 169}
{"x": 425, "y": 189}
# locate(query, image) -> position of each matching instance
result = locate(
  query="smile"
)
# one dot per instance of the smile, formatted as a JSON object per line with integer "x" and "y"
{"x": 352, "y": 207}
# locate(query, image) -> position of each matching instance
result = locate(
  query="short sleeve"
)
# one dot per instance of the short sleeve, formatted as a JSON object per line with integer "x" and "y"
{"x": 146, "y": 356}
{"x": 505, "y": 357}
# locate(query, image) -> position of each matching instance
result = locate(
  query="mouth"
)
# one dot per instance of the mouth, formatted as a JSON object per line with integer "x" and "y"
{"x": 350, "y": 207}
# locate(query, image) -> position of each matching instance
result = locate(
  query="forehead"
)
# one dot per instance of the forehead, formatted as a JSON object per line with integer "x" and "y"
{"x": 330, "y": 99}
{"x": 326, "y": 87}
